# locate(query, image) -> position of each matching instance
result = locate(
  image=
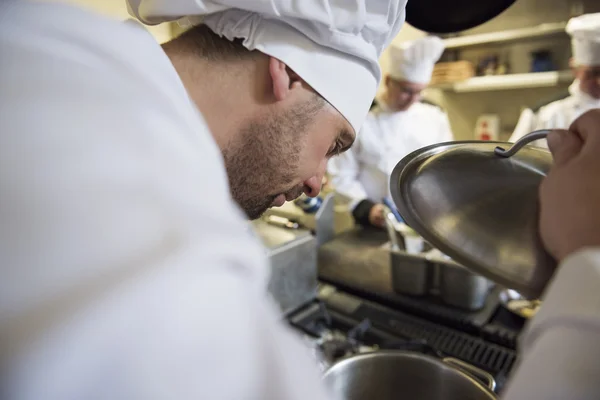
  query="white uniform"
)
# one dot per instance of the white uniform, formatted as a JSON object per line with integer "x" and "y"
{"x": 126, "y": 271}
{"x": 585, "y": 45}
{"x": 118, "y": 278}
{"x": 559, "y": 114}
{"x": 363, "y": 172}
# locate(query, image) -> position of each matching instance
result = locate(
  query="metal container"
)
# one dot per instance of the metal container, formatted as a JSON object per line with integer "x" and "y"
{"x": 462, "y": 288}
{"x": 422, "y": 274}
{"x": 395, "y": 375}
{"x": 411, "y": 274}
{"x": 478, "y": 204}
{"x": 293, "y": 257}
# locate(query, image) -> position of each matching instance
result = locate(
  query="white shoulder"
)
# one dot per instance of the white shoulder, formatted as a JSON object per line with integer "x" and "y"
{"x": 556, "y": 109}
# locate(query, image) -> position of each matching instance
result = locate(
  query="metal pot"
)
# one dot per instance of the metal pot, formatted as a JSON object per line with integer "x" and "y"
{"x": 460, "y": 287}
{"x": 396, "y": 375}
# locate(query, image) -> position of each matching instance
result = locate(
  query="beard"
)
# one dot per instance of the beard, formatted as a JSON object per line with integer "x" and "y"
{"x": 262, "y": 163}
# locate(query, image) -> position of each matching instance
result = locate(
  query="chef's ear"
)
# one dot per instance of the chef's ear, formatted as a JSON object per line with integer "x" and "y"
{"x": 283, "y": 78}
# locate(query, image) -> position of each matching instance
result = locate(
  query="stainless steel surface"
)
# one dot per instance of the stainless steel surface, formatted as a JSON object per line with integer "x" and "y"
{"x": 530, "y": 137}
{"x": 324, "y": 220}
{"x": 293, "y": 259}
{"x": 411, "y": 274}
{"x": 394, "y": 375}
{"x": 391, "y": 230}
{"x": 478, "y": 373}
{"x": 478, "y": 208}
{"x": 460, "y": 287}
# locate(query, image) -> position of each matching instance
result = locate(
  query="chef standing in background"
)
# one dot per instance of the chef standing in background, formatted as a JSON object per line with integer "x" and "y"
{"x": 398, "y": 125}
{"x": 585, "y": 89}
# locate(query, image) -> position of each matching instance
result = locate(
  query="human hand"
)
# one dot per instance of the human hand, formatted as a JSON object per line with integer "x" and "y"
{"x": 376, "y": 217}
{"x": 570, "y": 194}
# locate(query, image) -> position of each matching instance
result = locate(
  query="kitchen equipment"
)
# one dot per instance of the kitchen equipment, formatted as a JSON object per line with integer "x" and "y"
{"x": 340, "y": 324}
{"x": 411, "y": 274}
{"x": 442, "y": 16}
{"x": 460, "y": 287}
{"x": 517, "y": 304}
{"x": 430, "y": 274}
{"x": 390, "y": 221}
{"x": 293, "y": 260}
{"x": 390, "y": 204}
{"x": 393, "y": 375}
{"x": 478, "y": 203}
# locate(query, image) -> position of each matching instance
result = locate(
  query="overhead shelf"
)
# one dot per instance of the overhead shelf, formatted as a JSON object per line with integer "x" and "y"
{"x": 505, "y": 82}
{"x": 538, "y": 31}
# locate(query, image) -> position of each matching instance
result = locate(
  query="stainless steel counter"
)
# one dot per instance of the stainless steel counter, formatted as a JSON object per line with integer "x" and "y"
{"x": 293, "y": 258}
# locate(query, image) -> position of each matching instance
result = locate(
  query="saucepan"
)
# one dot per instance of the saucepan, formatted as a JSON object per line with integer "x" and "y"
{"x": 394, "y": 375}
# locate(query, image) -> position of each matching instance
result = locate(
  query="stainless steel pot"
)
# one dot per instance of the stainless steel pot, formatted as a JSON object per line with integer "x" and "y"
{"x": 460, "y": 287}
{"x": 398, "y": 375}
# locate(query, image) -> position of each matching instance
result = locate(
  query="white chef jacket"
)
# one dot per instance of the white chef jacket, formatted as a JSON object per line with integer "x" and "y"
{"x": 363, "y": 172}
{"x": 559, "y": 114}
{"x": 126, "y": 271}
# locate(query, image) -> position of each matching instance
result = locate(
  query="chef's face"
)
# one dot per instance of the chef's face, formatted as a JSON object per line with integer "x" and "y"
{"x": 589, "y": 80}
{"x": 283, "y": 153}
{"x": 402, "y": 94}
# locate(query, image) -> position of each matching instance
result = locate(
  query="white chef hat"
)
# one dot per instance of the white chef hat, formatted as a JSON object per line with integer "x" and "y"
{"x": 585, "y": 39}
{"x": 414, "y": 61}
{"x": 333, "y": 45}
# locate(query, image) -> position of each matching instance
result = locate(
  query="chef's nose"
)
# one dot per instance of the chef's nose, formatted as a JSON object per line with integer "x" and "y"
{"x": 312, "y": 186}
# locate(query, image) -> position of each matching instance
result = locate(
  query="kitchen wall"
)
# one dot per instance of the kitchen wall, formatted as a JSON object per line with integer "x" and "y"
{"x": 118, "y": 9}
{"x": 464, "y": 108}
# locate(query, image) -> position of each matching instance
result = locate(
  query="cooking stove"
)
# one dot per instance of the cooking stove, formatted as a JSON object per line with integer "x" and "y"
{"x": 338, "y": 324}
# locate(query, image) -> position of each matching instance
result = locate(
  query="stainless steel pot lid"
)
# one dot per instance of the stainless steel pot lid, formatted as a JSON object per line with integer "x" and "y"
{"x": 479, "y": 206}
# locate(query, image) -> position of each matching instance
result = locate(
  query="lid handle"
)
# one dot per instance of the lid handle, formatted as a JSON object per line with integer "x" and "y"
{"x": 530, "y": 137}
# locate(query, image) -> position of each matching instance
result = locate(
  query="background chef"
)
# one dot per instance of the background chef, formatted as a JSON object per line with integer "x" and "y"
{"x": 585, "y": 89}
{"x": 398, "y": 125}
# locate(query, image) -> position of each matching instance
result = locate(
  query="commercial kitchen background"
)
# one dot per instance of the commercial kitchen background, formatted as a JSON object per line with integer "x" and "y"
{"x": 527, "y": 26}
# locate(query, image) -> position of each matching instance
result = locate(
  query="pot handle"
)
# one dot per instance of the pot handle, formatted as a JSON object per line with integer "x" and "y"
{"x": 477, "y": 373}
{"x": 519, "y": 144}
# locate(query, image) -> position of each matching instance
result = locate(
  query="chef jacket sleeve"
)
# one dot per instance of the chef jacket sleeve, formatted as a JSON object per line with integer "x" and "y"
{"x": 560, "y": 349}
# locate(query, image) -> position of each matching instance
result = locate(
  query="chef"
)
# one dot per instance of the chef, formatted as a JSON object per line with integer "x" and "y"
{"x": 585, "y": 89}
{"x": 126, "y": 271}
{"x": 398, "y": 125}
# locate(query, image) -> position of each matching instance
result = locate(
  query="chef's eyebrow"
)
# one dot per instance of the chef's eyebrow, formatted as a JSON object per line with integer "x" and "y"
{"x": 347, "y": 138}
